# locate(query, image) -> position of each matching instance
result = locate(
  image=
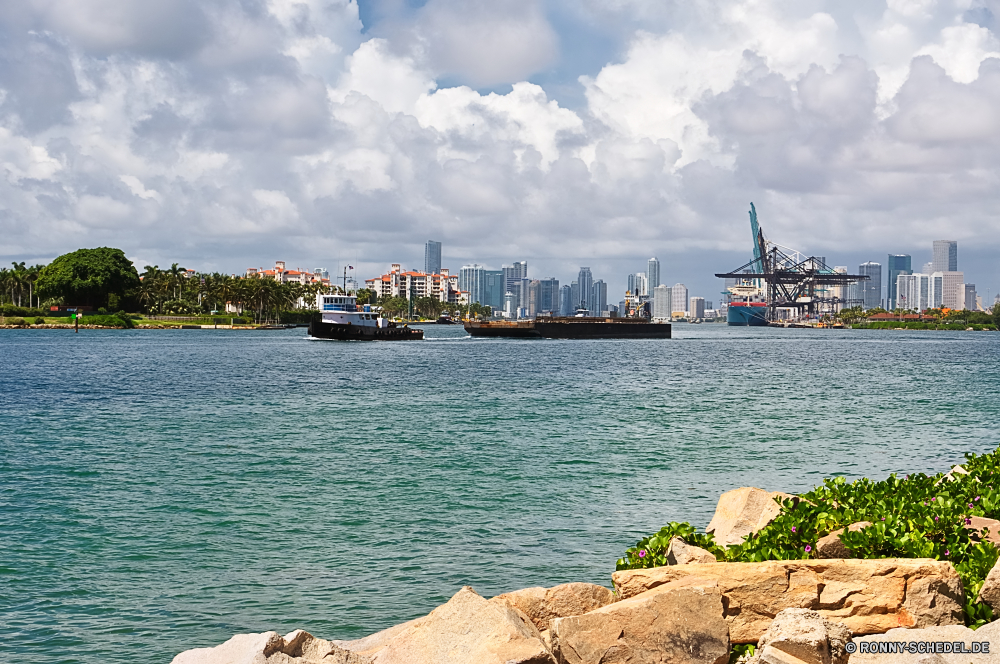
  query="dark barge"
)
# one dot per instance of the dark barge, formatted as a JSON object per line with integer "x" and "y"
{"x": 575, "y": 327}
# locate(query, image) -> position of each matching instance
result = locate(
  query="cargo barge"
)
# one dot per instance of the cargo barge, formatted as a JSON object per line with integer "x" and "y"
{"x": 576, "y": 327}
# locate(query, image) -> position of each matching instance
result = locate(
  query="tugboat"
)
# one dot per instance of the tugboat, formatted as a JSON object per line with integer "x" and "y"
{"x": 342, "y": 319}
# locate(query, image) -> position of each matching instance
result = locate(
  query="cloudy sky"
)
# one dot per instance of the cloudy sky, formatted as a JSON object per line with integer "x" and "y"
{"x": 225, "y": 133}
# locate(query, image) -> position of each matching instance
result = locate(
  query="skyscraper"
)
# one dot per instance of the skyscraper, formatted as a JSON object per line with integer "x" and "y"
{"x": 913, "y": 291}
{"x": 662, "y": 308}
{"x": 471, "y": 279}
{"x": 679, "y": 297}
{"x": 512, "y": 273}
{"x": 697, "y": 307}
{"x": 630, "y": 287}
{"x": 494, "y": 288}
{"x": 642, "y": 284}
{"x": 871, "y": 290}
{"x": 574, "y": 297}
{"x": 652, "y": 275}
{"x": 897, "y": 264}
{"x": 945, "y": 256}
{"x": 548, "y": 297}
{"x": 598, "y": 298}
{"x": 432, "y": 257}
{"x": 586, "y": 282}
{"x": 565, "y": 301}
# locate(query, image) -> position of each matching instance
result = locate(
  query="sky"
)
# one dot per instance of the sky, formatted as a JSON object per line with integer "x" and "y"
{"x": 226, "y": 134}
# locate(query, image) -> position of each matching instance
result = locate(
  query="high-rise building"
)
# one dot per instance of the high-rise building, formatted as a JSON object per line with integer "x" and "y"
{"x": 896, "y": 265}
{"x": 913, "y": 291}
{"x": 521, "y": 290}
{"x": 510, "y": 305}
{"x": 494, "y": 288}
{"x": 945, "y": 256}
{"x": 548, "y": 296}
{"x": 871, "y": 290}
{"x": 662, "y": 302}
{"x": 586, "y": 282}
{"x": 679, "y": 297}
{"x": 471, "y": 280}
{"x": 652, "y": 274}
{"x": 697, "y": 307}
{"x": 565, "y": 301}
{"x": 968, "y": 293}
{"x": 642, "y": 284}
{"x": 574, "y": 294}
{"x": 598, "y": 298}
{"x": 432, "y": 257}
{"x": 936, "y": 296}
{"x": 951, "y": 284}
{"x": 630, "y": 287}
{"x": 512, "y": 273}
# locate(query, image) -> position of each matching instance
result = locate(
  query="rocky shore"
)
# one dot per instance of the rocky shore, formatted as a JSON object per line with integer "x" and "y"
{"x": 827, "y": 609}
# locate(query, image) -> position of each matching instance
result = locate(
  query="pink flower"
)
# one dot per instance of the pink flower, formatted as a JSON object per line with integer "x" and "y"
{"x": 968, "y": 521}
{"x": 933, "y": 499}
{"x": 642, "y": 553}
{"x": 947, "y": 553}
{"x": 793, "y": 529}
{"x": 808, "y": 548}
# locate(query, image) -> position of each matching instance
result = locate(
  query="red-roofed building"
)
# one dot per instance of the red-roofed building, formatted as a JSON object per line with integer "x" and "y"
{"x": 398, "y": 283}
{"x": 280, "y": 274}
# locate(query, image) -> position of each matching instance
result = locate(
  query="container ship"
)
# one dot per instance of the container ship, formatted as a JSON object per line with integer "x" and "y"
{"x": 571, "y": 327}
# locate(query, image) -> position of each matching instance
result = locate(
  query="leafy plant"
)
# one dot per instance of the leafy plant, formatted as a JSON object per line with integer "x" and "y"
{"x": 917, "y": 516}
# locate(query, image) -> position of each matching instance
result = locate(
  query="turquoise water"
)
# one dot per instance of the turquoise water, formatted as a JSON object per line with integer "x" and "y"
{"x": 163, "y": 490}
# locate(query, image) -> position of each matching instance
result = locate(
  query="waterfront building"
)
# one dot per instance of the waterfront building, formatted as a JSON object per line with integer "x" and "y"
{"x": 697, "y": 307}
{"x": 708, "y": 305}
{"x": 586, "y": 283}
{"x": 945, "y": 256}
{"x": 432, "y": 257}
{"x": 510, "y": 305}
{"x": 652, "y": 274}
{"x": 871, "y": 290}
{"x": 471, "y": 278}
{"x": 565, "y": 301}
{"x": 548, "y": 296}
{"x": 679, "y": 299}
{"x": 399, "y": 283}
{"x": 642, "y": 285}
{"x": 896, "y": 265}
{"x": 534, "y": 297}
{"x": 521, "y": 290}
{"x": 598, "y": 298}
{"x": 928, "y": 268}
{"x": 967, "y": 297}
{"x": 574, "y": 295}
{"x": 514, "y": 273}
{"x": 936, "y": 297}
{"x": 630, "y": 287}
{"x": 283, "y": 275}
{"x": 494, "y": 288}
{"x": 913, "y": 291}
{"x": 952, "y": 282}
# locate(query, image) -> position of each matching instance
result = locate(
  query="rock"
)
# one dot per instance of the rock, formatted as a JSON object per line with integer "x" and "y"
{"x": 372, "y": 643}
{"x": 980, "y": 525}
{"x": 831, "y": 546}
{"x": 467, "y": 630}
{"x": 951, "y": 633}
{"x": 952, "y": 475}
{"x": 680, "y": 623}
{"x": 868, "y": 596}
{"x": 990, "y": 592}
{"x": 680, "y": 552}
{"x": 541, "y": 605}
{"x": 802, "y": 636}
{"x": 298, "y": 647}
{"x": 741, "y": 512}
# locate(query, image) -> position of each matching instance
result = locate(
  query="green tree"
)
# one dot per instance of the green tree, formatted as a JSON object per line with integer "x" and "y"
{"x": 996, "y": 314}
{"x": 366, "y": 296}
{"x": 88, "y": 277}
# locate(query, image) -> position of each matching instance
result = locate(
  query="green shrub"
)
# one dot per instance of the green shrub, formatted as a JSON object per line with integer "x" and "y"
{"x": 39, "y": 320}
{"x": 652, "y": 551}
{"x": 109, "y": 321}
{"x": 918, "y": 516}
{"x": 17, "y": 320}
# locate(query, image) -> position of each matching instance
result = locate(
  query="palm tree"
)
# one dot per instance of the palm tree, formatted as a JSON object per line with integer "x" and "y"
{"x": 176, "y": 273}
{"x": 17, "y": 276}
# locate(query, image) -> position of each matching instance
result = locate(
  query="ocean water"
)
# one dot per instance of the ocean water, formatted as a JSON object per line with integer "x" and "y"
{"x": 164, "y": 490}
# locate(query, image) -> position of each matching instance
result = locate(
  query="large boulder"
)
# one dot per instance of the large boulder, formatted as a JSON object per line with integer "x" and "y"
{"x": 990, "y": 592}
{"x": 802, "y": 636}
{"x": 372, "y": 643}
{"x": 984, "y": 529}
{"x": 680, "y": 623}
{"x": 680, "y": 552}
{"x": 903, "y": 646}
{"x": 468, "y": 629}
{"x": 868, "y": 596}
{"x": 541, "y": 605}
{"x": 831, "y": 546}
{"x": 298, "y": 647}
{"x": 743, "y": 511}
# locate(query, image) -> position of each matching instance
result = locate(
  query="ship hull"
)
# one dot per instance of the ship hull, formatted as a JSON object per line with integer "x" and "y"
{"x": 571, "y": 328}
{"x": 744, "y": 316}
{"x": 339, "y": 332}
